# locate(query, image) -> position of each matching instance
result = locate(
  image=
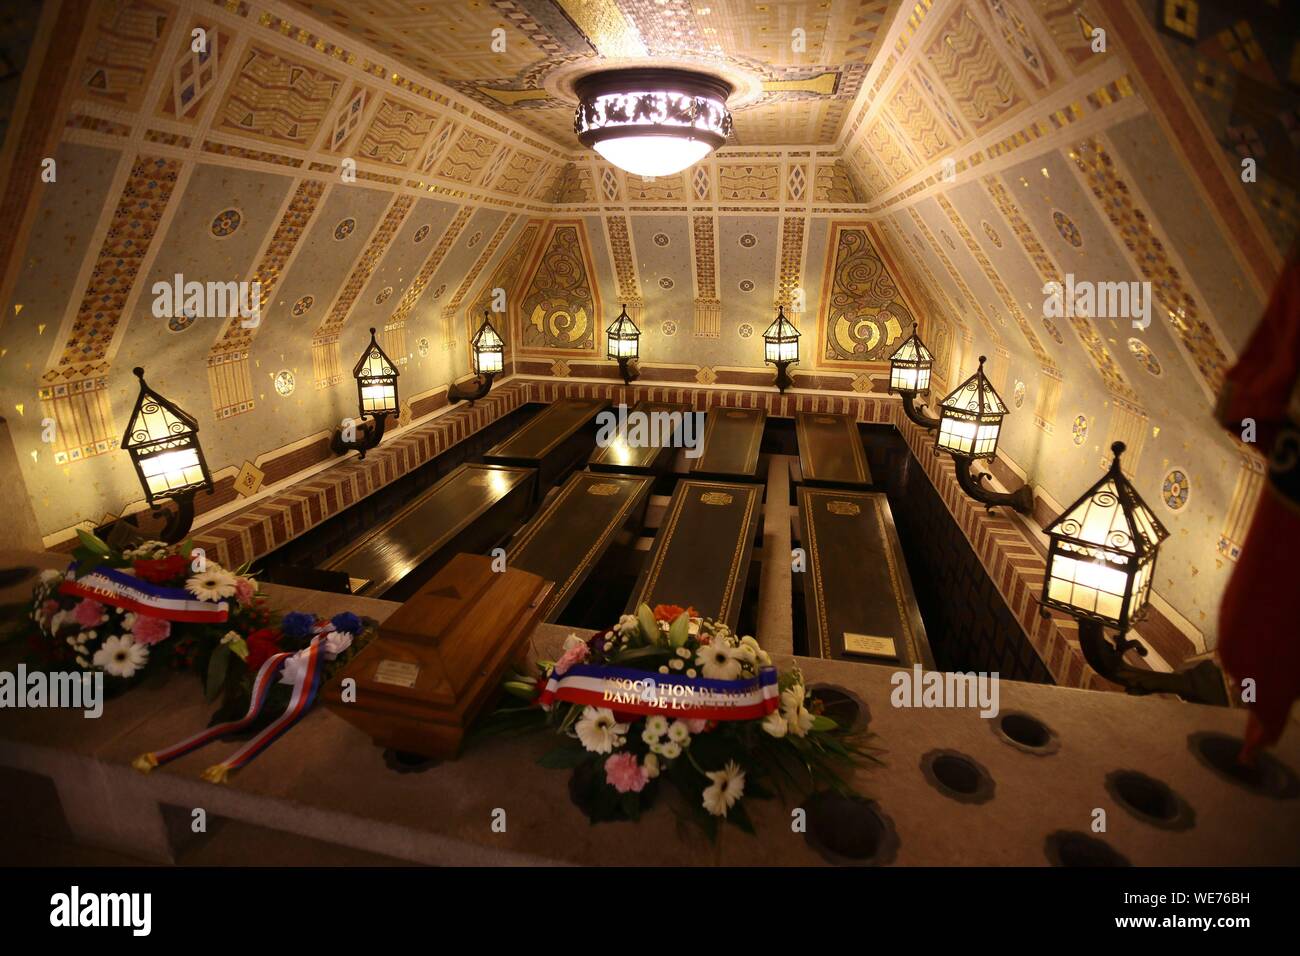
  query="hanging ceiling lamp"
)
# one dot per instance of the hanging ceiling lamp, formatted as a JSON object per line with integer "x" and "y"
{"x": 652, "y": 121}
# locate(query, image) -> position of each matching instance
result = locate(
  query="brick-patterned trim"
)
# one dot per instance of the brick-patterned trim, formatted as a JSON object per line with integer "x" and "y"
{"x": 269, "y": 523}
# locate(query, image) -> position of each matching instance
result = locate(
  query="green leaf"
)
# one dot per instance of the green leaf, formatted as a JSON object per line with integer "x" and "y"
{"x": 218, "y": 665}
{"x": 239, "y": 647}
{"x": 822, "y": 723}
{"x": 520, "y": 689}
{"x": 564, "y": 757}
{"x": 92, "y": 543}
{"x": 679, "y": 631}
{"x": 649, "y": 626}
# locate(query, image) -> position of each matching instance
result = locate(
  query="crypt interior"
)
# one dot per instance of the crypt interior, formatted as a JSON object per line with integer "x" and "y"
{"x": 866, "y": 280}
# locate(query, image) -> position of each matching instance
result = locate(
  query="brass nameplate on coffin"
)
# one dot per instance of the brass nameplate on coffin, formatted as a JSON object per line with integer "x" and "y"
{"x": 716, "y": 498}
{"x": 604, "y": 489}
{"x": 843, "y": 508}
{"x": 870, "y": 646}
{"x": 736, "y": 415}
{"x": 397, "y": 673}
{"x": 824, "y": 420}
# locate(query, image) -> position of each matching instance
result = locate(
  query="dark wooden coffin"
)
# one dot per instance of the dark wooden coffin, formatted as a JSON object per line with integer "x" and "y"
{"x": 655, "y": 451}
{"x": 857, "y": 592}
{"x": 553, "y": 441}
{"x": 473, "y": 509}
{"x": 830, "y": 450}
{"x": 732, "y": 438}
{"x": 439, "y": 658}
{"x": 702, "y": 552}
{"x": 574, "y": 529}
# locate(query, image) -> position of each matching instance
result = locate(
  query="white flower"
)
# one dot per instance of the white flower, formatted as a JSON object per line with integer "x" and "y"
{"x": 627, "y": 624}
{"x": 598, "y": 730}
{"x": 728, "y": 786}
{"x": 82, "y": 662}
{"x": 51, "y": 577}
{"x": 651, "y": 766}
{"x": 335, "y": 643}
{"x": 230, "y": 637}
{"x": 656, "y": 724}
{"x": 572, "y": 641}
{"x": 797, "y": 717}
{"x": 676, "y": 664}
{"x": 121, "y": 656}
{"x": 679, "y": 732}
{"x": 213, "y": 584}
{"x": 683, "y": 652}
{"x": 719, "y": 661}
{"x": 663, "y": 668}
{"x": 775, "y": 724}
{"x": 671, "y": 750}
{"x": 690, "y": 672}
{"x": 294, "y": 671}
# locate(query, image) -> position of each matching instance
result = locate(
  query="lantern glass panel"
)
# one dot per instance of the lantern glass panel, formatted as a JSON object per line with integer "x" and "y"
{"x": 488, "y": 361}
{"x": 378, "y": 397}
{"x": 171, "y": 470}
{"x": 968, "y": 438}
{"x": 782, "y": 350}
{"x": 1091, "y": 581}
{"x": 909, "y": 378}
{"x": 623, "y": 346}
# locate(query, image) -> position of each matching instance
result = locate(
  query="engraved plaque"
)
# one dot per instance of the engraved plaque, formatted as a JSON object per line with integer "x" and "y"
{"x": 843, "y": 508}
{"x": 397, "y": 673}
{"x": 716, "y": 498}
{"x": 870, "y": 646}
{"x": 604, "y": 489}
{"x": 736, "y": 415}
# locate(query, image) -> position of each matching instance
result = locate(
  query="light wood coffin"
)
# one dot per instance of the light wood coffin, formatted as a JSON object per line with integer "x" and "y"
{"x": 439, "y": 658}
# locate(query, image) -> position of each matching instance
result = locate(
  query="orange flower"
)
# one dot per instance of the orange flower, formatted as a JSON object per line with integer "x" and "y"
{"x": 668, "y": 613}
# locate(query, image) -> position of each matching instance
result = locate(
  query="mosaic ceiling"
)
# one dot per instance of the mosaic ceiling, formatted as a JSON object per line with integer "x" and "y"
{"x": 803, "y": 62}
{"x": 380, "y": 164}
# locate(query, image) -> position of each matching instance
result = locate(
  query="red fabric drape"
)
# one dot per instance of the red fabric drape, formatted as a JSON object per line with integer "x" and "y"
{"x": 1259, "y": 620}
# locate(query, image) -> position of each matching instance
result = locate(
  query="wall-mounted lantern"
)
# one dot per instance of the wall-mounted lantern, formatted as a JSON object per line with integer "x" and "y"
{"x": 489, "y": 360}
{"x": 781, "y": 347}
{"x": 1101, "y": 561}
{"x": 909, "y": 375}
{"x": 623, "y": 343}
{"x": 376, "y": 377}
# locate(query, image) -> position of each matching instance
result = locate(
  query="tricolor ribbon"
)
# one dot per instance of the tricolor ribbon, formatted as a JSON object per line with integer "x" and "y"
{"x": 304, "y": 693}
{"x": 641, "y": 692}
{"x": 119, "y": 589}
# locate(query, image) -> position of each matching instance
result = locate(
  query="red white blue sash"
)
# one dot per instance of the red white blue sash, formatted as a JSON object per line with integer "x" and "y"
{"x": 642, "y": 692}
{"x": 119, "y": 589}
{"x": 304, "y": 694}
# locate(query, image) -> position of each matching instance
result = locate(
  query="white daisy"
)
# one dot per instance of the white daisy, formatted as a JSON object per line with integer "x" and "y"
{"x": 719, "y": 661}
{"x": 775, "y": 724}
{"x": 656, "y": 724}
{"x": 679, "y": 732}
{"x": 598, "y": 730}
{"x": 670, "y": 750}
{"x": 212, "y": 584}
{"x": 796, "y": 715}
{"x": 121, "y": 656}
{"x": 676, "y": 664}
{"x": 294, "y": 671}
{"x": 728, "y": 786}
{"x": 651, "y": 766}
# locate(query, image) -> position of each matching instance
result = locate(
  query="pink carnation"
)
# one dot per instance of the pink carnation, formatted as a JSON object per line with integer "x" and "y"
{"x": 696, "y": 726}
{"x": 244, "y": 590}
{"x": 624, "y": 774}
{"x": 88, "y": 613}
{"x": 574, "y": 655}
{"x": 150, "y": 630}
{"x": 50, "y": 608}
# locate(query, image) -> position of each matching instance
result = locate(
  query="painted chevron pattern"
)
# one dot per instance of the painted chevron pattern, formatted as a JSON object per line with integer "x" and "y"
{"x": 396, "y": 133}
{"x": 918, "y": 120}
{"x": 489, "y": 250}
{"x": 517, "y": 174}
{"x": 466, "y": 158}
{"x": 887, "y": 152}
{"x": 969, "y": 67}
{"x": 278, "y": 98}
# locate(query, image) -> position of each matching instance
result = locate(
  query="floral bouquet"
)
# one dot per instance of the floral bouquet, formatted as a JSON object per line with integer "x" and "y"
{"x": 132, "y": 612}
{"x": 665, "y": 695}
